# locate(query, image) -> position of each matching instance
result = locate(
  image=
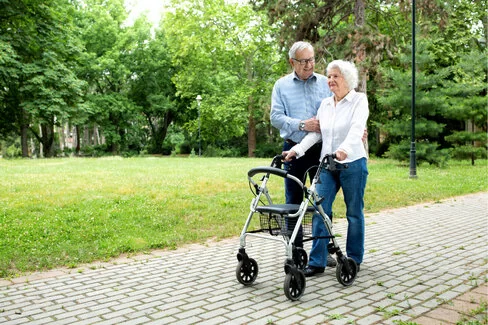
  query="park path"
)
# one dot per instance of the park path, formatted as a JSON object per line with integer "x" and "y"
{"x": 425, "y": 263}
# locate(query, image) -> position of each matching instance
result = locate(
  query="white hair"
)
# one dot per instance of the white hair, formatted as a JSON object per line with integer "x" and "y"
{"x": 298, "y": 46}
{"x": 348, "y": 71}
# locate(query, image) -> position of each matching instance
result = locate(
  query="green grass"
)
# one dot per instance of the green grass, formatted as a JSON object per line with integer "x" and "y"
{"x": 64, "y": 212}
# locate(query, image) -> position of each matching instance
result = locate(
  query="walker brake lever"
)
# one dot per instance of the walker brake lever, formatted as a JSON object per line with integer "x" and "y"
{"x": 331, "y": 163}
{"x": 319, "y": 200}
{"x": 277, "y": 161}
{"x": 257, "y": 188}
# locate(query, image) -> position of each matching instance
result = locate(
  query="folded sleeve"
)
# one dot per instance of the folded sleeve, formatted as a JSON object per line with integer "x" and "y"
{"x": 310, "y": 139}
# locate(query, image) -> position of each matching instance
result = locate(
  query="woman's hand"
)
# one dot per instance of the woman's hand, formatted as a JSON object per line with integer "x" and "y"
{"x": 340, "y": 155}
{"x": 289, "y": 155}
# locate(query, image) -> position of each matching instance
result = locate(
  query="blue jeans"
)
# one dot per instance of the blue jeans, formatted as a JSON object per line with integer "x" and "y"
{"x": 352, "y": 180}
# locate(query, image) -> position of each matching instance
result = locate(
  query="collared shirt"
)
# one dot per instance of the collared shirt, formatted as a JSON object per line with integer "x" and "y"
{"x": 341, "y": 126}
{"x": 294, "y": 100}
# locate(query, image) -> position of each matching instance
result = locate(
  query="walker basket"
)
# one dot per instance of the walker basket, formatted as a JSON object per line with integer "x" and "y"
{"x": 276, "y": 224}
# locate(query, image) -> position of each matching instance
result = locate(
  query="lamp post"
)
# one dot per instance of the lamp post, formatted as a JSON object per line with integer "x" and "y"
{"x": 413, "y": 162}
{"x": 199, "y": 99}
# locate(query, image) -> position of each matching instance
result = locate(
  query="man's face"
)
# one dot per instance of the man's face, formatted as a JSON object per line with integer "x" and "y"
{"x": 303, "y": 63}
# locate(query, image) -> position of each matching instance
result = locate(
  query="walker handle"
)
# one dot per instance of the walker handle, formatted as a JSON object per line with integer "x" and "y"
{"x": 267, "y": 170}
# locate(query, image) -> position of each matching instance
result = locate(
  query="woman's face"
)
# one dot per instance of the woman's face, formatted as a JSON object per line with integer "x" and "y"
{"x": 336, "y": 82}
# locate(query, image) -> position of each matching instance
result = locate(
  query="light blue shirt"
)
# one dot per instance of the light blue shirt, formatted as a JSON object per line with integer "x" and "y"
{"x": 294, "y": 100}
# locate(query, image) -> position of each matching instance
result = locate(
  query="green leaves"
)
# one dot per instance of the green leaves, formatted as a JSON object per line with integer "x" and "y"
{"x": 222, "y": 52}
{"x": 450, "y": 87}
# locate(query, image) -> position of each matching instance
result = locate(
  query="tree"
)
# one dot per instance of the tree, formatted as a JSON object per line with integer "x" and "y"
{"x": 151, "y": 88}
{"x": 224, "y": 53}
{"x": 40, "y": 88}
{"x": 107, "y": 70}
{"x": 450, "y": 90}
{"x": 466, "y": 93}
{"x": 9, "y": 74}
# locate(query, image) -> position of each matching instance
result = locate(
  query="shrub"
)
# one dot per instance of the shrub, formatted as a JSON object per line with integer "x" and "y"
{"x": 425, "y": 151}
{"x": 267, "y": 150}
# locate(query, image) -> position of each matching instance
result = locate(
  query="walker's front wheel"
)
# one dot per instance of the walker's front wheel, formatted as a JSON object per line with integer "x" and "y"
{"x": 294, "y": 285}
{"x": 300, "y": 258}
{"x": 346, "y": 271}
{"x": 247, "y": 271}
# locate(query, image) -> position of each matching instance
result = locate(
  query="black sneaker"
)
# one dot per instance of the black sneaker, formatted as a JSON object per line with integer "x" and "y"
{"x": 331, "y": 262}
{"x": 312, "y": 270}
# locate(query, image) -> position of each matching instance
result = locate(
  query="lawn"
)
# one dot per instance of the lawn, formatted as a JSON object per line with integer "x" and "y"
{"x": 64, "y": 212}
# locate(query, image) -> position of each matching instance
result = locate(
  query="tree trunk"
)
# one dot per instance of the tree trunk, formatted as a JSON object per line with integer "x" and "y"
{"x": 359, "y": 9}
{"x": 251, "y": 136}
{"x": 62, "y": 136}
{"x": 96, "y": 136}
{"x": 159, "y": 130}
{"x": 251, "y": 133}
{"x": 360, "y": 49}
{"x": 41, "y": 146}
{"x": 24, "y": 127}
{"x": 78, "y": 140}
{"x": 48, "y": 139}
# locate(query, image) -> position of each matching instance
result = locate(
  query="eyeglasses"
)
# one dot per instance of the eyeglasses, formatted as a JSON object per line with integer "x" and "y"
{"x": 304, "y": 61}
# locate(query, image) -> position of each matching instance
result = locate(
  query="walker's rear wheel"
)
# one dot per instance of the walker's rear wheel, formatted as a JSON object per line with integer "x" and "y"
{"x": 294, "y": 287}
{"x": 246, "y": 273}
{"x": 300, "y": 258}
{"x": 343, "y": 276}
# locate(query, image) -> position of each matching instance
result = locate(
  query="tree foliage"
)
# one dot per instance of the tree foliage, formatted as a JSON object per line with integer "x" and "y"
{"x": 377, "y": 36}
{"x": 38, "y": 82}
{"x": 222, "y": 52}
{"x": 451, "y": 87}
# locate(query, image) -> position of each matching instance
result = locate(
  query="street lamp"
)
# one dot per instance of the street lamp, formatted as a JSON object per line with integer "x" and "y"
{"x": 413, "y": 161}
{"x": 199, "y": 99}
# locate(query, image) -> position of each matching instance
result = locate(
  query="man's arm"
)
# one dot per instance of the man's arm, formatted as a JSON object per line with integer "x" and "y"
{"x": 278, "y": 116}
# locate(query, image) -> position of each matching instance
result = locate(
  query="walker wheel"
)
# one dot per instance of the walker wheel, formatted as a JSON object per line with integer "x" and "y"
{"x": 294, "y": 287}
{"x": 247, "y": 272}
{"x": 343, "y": 276}
{"x": 300, "y": 258}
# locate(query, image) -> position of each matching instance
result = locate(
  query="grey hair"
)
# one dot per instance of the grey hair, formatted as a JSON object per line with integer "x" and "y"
{"x": 348, "y": 71}
{"x": 298, "y": 46}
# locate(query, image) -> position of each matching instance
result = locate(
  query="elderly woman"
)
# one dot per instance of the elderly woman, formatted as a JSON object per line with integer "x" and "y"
{"x": 342, "y": 120}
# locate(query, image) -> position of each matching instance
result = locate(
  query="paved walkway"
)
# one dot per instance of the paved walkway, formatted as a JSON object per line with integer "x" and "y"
{"x": 419, "y": 260}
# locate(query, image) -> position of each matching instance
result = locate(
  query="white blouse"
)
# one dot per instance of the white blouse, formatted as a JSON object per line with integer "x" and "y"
{"x": 341, "y": 127}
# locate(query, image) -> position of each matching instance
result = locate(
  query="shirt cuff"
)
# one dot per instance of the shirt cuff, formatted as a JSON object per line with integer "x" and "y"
{"x": 298, "y": 150}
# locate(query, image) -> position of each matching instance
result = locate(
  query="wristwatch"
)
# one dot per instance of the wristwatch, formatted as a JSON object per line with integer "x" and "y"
{"x": 301, "y": 126}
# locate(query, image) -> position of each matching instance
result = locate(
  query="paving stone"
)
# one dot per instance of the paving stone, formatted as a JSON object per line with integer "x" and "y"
{"x": 430, "y": 321}
{"x": 313, "y": 320}
{"x": 444, "y": 314}
{"x": 364, "y": 311}
{"x": 368, "y": 320}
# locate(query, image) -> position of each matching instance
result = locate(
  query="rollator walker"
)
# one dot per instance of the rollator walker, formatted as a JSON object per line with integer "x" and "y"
{"x": 283, "y": 222}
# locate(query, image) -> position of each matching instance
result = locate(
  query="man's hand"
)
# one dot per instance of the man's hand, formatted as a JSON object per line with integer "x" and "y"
{"x": 288, "y": 155}
{"x": 312, "y": 125}
{"x": 365, "y": 135}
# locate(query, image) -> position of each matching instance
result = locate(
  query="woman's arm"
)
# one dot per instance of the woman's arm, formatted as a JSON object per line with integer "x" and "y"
{"x": 299, "y": 149}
